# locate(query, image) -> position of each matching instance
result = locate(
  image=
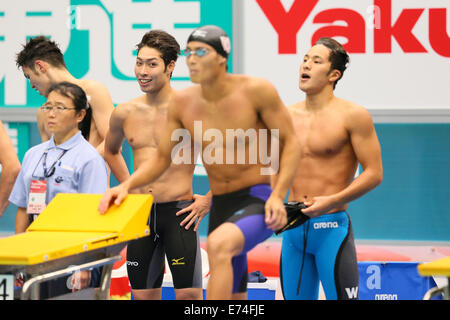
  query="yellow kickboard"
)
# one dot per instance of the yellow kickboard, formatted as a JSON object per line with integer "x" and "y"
{"x": 440, "y": 267}
{"x": 30, "y": 248}
{"x": 79, "y": 212}
{"x": 71, "y": 224}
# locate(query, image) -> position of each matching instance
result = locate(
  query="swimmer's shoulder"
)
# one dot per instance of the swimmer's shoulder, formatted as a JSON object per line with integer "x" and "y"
{"x": 185, "y": 95}
{"x": 259, "y": 89}
{"x": 256, "y": 83}
{"x": 92, "y": 87}
{"x": 355, "y": 115}
{"x": 124, "y": 109}
{"x": 351, "y": 108}
{"x": 97, "y": 94}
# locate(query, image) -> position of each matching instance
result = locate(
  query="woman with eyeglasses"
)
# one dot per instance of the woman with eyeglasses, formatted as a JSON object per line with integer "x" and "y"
{"x": 66, "y": 163}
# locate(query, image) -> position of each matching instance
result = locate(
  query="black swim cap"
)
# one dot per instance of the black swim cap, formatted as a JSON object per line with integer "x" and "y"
{"x": 214, "y": 36}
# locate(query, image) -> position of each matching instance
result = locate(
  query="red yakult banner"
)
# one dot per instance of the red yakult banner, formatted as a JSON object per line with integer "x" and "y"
{"x": 399, "y": 49}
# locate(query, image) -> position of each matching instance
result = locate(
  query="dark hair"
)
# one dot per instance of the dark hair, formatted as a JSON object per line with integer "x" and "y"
{"x": 338, "y": 56}
{"x": 80, "y": 101}
{"x": 163, "y": 42}
{"x": 40, "y": 48}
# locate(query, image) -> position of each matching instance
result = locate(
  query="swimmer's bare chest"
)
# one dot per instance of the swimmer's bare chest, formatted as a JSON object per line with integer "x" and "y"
{"x": 328, "y": 162}
{"x": 220, "y": 126}
{"x": 144, "y": 126}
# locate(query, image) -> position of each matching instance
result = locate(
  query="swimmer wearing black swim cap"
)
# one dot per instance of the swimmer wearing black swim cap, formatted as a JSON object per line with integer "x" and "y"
{"x": 213, "y": 36}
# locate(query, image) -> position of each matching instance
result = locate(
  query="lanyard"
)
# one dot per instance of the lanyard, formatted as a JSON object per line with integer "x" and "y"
{"x": 48, "y": 173}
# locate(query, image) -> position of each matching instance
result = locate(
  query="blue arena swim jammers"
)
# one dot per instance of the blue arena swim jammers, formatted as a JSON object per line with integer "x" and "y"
{"x": 322, "y": 249}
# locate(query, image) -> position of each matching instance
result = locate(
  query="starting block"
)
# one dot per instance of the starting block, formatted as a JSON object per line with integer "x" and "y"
{"x": 70, "y": 235}
{"x": 440, "y": 267}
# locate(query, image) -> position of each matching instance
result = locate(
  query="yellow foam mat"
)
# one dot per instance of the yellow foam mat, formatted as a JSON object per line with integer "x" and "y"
{"x": 440, "y": 267}
{"x": 71, "y": 224}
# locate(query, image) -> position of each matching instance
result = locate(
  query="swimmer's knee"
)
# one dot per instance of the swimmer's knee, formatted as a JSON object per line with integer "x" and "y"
{"x": 216, "y": 245}
{"x": 227, "y": 240}
{"x": 189, "y": 294}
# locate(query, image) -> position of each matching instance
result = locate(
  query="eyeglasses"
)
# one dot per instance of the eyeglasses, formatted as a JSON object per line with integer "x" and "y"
{"x": 200, "y": 52}
{"x": 55, "y": 109}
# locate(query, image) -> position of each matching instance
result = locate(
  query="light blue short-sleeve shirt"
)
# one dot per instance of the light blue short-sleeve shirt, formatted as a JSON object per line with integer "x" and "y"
{"x": 81, "y": 169}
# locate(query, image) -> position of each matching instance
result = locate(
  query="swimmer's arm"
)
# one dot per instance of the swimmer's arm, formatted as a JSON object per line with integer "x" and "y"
{"x": 10, "y": 168}
{"x": 113, "y": 145}
{"x": 273, "y": 180}
{"x": 45, "y": 136}
{"x": 367, "y": 149}
{"x": 149, "y": 170}
{"x": 274, "y": 177}
{"x": 276, "y": 116}
{"x": 102, "y": 107}
{"x": 22, "y": 221}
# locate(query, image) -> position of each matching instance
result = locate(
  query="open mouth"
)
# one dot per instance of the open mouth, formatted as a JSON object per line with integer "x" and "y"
{"x": 305, "y": 76}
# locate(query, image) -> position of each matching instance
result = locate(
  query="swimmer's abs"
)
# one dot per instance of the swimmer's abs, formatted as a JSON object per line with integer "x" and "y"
{"x": 221, "y": 183}
{"x": 167, "y": 192}
{"x": 168, "y": 195}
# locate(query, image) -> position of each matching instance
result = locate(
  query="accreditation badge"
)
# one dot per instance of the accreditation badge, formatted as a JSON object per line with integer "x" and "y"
{"x": 36, "y": 198}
